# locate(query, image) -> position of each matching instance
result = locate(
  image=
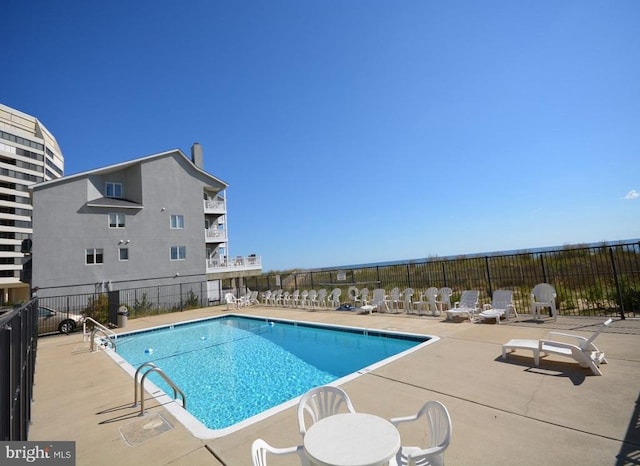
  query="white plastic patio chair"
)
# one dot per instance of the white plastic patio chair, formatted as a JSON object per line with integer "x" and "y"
{"x": 266, "y": 295}
{"x": 231, "y": 300}
{"x": 427, "y": 302}
{"x": 303, "y": 298}
{"x": 286, "y": 299}
{"x": 445, "y": 294}
{"x": 582, "y": 350}
{"x": 334, "y": 297}
{"x": 261, "y": 449}
{"x": 501, "y": 306}
{"x": 378, "y": 299}
{"x": 353, "y": 293}
{"x": 393, "y": 300}
{"x": 276, "y": 298}
{"x": 438, "y": 430}
{"x": 543, "y": 295}
{"x": 312, "y": 299}
{"x": 322, "y": 298}
{"x": 295, "y": 298}
{"x": 467, "y": 306}
{"x": 407, "y": 296}
{"x": 321, "y": 402}
{"x": 363, "y": 297}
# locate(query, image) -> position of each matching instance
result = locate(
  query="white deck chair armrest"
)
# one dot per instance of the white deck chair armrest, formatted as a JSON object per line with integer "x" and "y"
{"x": 425, "y": 452}
{"x": 398, "y": 420}
{"x": 579, "y": 338}
{"x": 558, "y": 344}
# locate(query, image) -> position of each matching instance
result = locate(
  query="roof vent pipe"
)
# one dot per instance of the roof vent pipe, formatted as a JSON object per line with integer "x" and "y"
{"x": 196, "y": 155}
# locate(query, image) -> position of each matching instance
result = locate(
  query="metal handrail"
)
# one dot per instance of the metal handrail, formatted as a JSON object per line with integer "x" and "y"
{"x": 94, "y": 331}
{"x": 97, "y": 324}
{"x": 166, "y": 378}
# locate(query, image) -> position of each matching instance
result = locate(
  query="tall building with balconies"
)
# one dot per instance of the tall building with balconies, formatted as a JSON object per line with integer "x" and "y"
{"x": 153, "y": 221}
{"x": 29, "y": 154}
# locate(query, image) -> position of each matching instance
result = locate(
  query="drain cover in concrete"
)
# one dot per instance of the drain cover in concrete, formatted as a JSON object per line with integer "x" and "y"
{"x": 148, "y": 427}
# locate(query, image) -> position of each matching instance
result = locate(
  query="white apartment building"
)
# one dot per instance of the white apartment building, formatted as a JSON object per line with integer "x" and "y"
{"x": 29, "y": 154}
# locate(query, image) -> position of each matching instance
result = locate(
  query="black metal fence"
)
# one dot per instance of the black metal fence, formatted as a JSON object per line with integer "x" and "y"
{"x": 602, "y": 280}
{"x": 18, "y": 344}
{"x": 103, "y": 307}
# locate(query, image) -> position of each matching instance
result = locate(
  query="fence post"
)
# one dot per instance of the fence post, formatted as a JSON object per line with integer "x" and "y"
{"x": 544, "y": 270}
{"x": 615, "y": 279}
{"x": 486, "y": 265}
{"x": 444, "y": 274}
{"x": 408, "y": 277}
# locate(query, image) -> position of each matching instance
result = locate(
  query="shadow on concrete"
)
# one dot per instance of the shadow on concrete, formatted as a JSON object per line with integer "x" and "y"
{"x": 630, "y": 451}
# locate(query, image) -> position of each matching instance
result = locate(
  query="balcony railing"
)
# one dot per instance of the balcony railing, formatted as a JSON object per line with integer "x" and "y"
{"x": 215, "y": 236}
{"x": 251, "y": 262}
{"x": 214, "y": 206}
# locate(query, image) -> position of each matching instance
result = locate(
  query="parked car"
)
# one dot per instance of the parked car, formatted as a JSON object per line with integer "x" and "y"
{"x": 50, "y": 321}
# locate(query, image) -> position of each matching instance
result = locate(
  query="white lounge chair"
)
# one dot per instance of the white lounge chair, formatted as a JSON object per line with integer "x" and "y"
{"x": 260, "y": 449}
{"x": 266, "y": 296}
{"x": 467, "y": 306}
{"x": 583, "y": 351}
{"x": 501, "y": 306}
{"x": 438, "y": 431}
{"x": 321, "y": 402}
{"x": 543, "y": 295}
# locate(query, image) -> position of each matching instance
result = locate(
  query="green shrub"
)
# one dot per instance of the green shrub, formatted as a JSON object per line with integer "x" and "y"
{"x": 98, "y": 308}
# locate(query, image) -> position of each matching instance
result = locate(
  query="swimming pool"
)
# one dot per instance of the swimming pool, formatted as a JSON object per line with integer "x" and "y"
{"x": 235, "y": 370}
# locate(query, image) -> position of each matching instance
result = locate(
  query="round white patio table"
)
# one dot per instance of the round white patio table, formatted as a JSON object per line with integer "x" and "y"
{"x": 352, "y": 439}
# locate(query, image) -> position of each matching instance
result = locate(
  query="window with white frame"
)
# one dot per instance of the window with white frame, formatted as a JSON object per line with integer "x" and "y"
{"x": 94, "y": 256}
{"x": 123, "y": 254}
{"x": 177, "y": 222}
{"x": 113, "y": 189}
{"x": 178, "y": 253}
{"x": 116, "y": 220}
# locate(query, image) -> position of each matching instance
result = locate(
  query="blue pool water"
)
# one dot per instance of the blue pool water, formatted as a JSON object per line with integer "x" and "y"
{"x": 232, "y": 368}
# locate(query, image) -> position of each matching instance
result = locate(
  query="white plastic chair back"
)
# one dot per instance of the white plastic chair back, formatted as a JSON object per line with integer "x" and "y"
{"x": 353, "y": 293}
{"x": 334, "y": 297}
{"x": 312, "y": 297}
{"x": 438, "y": 433}
{"x": 445, "y": 296}
{"x": 322, "y": 297}
{"x": 321, "y": 402}
{"x": 407, "y": 296}
{"x": 543, "y": 295}
{"x": 469, "y": 299}
{"x": 378, "y": 296}
{"x": 431, "y": 296}
{"x": 502, "y": 299}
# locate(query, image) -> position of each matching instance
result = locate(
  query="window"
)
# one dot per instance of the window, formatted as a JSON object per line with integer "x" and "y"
{"x": 178, "y": 253}
{"x": 177, "y": 222}
{"x": 123, "y": 254}
{"x": 94, "y": 256}
{"x": 113, "y": 189}
{"x": 116, "y": 220}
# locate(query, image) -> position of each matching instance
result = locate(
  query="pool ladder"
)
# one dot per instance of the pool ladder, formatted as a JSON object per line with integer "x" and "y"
{"x": 166, "y": 378}
{"x": 108, "y": 339}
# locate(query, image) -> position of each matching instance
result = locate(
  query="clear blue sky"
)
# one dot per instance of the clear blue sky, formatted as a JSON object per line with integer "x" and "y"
{"x": 354, "y": 131}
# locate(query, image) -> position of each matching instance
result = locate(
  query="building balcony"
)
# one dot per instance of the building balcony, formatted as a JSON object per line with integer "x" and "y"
{"x": 213, "y": 235}
{"x": 215, "y": 206}
{"x": 234, "y": 264}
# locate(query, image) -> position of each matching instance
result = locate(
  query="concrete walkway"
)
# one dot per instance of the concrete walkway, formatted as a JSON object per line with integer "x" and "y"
{"x": 503, "y": 413}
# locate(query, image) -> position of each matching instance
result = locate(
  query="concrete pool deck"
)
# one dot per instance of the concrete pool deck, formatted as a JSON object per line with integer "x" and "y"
{"x": 503, "y": 412}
